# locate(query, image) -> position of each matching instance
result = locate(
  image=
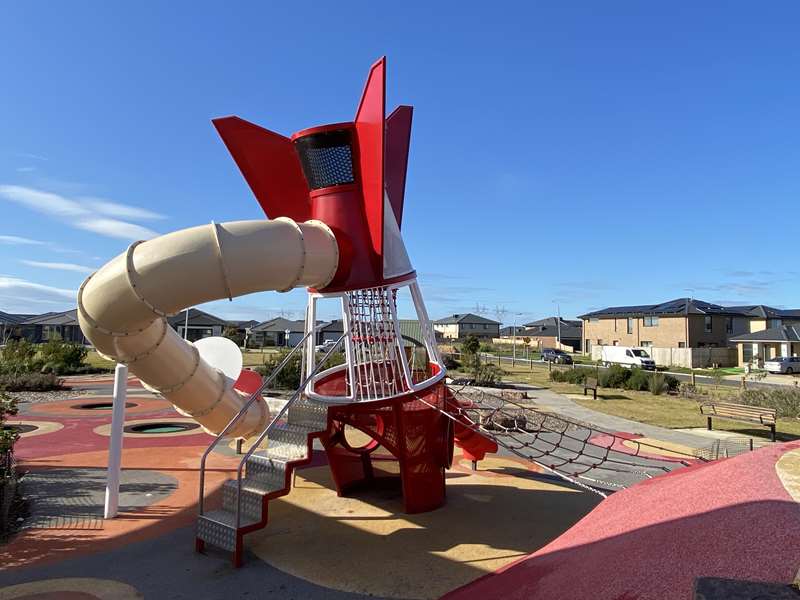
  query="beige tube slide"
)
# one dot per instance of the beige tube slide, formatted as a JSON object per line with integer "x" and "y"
{"x": 122, "y": 308}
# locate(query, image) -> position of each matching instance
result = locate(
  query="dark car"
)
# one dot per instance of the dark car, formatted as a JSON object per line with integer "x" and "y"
{"x": 556, "y": 356}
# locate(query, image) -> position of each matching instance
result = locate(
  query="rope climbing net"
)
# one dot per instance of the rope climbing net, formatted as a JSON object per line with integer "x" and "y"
{"x": 587, "y": 456}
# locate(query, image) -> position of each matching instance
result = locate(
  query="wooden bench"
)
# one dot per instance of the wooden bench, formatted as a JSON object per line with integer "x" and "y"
{"x": 590, "y": 383}
{"x": 740, "y": 412}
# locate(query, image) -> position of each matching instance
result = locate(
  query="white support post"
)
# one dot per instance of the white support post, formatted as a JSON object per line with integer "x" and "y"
{"x": 115, "y": 441}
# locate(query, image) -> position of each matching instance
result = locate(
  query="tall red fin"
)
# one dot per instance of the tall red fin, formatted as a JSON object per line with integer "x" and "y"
{"x": 398, "y": 140}
{"x": 370, "y": 129}
{"x": 270, "y": 166}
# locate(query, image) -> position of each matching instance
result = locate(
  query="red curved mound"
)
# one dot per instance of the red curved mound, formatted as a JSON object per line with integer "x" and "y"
{"x": 727, "y": 519}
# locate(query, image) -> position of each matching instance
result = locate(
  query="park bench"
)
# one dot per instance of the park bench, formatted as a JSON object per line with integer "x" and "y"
{"x": 590, "y": 383}
{"x": 740, "y": 412}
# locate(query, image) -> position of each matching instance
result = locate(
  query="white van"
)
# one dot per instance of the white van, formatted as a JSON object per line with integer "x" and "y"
{"x": 627, "y": 357}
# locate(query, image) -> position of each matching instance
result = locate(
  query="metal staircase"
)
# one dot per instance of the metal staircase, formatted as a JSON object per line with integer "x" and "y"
{"x": 262, "y": 475}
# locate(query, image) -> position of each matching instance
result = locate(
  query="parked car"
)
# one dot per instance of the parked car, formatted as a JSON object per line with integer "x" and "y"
{"x": 325, "y": 346}
{"x": 556, "y": 356}
{"x": 627, "y": 357}
{"x": 783, "y": 364}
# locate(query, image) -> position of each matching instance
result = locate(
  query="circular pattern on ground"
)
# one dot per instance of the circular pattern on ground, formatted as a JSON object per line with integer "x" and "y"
{"x": 34, "y": 428}
{"x": 162, "y": 428}
{"x": 72, "y": 407}
{"x": 788, "y": 468}
{"x": 71, "y": 588}
{"x": 187, "y": 427}
{"x": 492, "y": 517}
{"x": 100, "y": 405}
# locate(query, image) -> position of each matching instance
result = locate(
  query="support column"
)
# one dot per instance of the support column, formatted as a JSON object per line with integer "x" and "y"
{"x": 115, "y": 441}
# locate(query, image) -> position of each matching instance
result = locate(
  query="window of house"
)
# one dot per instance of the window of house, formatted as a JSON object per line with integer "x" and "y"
{"x": 708, "y": 324}
{"x": 646, "y": 344}
{"x": 747, "y": 353}
{"x": 486, "y": 326}
{"x": 650, "y": 321}
{"x": 630, "y": 325}
{"x": 588, "y": 347}
{"x": 773, "y": 323}
{"x": 728, "y": 324}
{"x": 593, "y": 320}
{"x": 599, "y": 342}
{"x": 681, "y": 344}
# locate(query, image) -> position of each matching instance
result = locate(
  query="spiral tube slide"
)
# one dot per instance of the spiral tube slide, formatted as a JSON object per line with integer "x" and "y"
{"x": 122, "y": 308}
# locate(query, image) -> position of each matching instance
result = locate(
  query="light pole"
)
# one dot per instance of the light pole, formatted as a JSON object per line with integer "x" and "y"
{"x": 514, "y": 340}
{"x": 558, "y": 323}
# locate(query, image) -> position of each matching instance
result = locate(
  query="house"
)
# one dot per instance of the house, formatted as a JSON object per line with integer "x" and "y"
{"x": 459, "y": 326}
{"x": 274, "y": 333}
{"x": 679, "y": 323}
{"x": 763, "y": 344}
{"x": 199, "y": 325}
{"x": 551, "y": 331}
{"x": 53, "y": 325}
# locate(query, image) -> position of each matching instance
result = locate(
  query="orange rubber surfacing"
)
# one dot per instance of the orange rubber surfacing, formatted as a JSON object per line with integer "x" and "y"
{"x": 40, "y": 546}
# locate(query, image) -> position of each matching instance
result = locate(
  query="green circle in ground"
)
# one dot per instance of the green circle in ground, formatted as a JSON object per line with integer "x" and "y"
{"x": 166, "y": 427}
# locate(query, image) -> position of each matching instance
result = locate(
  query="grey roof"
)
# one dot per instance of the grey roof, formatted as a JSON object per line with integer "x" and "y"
{"x": 691, "y": 306}
{"x": 11, "y": 319}
{"x": 335, "y": 326}
{"x": 279, "y": 325}
{"x": 553, "y": 321}
{"x": 243, "y": 324}
{"x": 196, "y": 317}
{"x": 786, "y": 333}
{"x": 68, "y": 317}
{"x": 465, "y": 318}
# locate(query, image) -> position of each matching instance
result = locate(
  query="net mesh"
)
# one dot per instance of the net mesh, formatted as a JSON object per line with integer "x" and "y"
{"x": 377, "y": 348}
{"x": 585, "y": 455}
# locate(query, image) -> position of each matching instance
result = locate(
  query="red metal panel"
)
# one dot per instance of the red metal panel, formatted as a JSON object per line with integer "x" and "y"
{"x": 370, "y": 130}
{"x": 398, "y": 139}
{"x": 270, "y": 165}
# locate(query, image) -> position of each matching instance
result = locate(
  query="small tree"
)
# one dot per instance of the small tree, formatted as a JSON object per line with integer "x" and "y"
{"x": 232, "y": 333}
{"x": 18, "y": 356}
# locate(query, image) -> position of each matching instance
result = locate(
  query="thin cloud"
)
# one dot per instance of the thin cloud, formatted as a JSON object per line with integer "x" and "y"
{"x": 121, "y": 211}
{"x": 25, "y": 169}
{"x": 84, "y": 215}
{"x": 29, "y": 155}
{"x": 15, "y": 240}
{"x": 17, "y": 284}
{"x": 58, "y": 266}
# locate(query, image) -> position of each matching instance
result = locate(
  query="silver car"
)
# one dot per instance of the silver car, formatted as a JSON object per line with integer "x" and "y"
{"x": 783, "y": 364}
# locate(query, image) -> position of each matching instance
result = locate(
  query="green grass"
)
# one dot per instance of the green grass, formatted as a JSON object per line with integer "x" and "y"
{"x": 672, "y": 412}
{"x": 250, "y": 358}
{"x": 95, "y": 360}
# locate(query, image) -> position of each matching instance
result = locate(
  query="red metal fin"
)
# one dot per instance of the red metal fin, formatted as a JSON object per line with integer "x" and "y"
{"x": 370, "y": 129}
{"x": 270, "y": 166}
{"x": 398, "y": 140}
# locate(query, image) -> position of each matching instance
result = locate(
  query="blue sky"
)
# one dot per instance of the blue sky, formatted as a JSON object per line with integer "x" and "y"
{"x": 580, "y": 154}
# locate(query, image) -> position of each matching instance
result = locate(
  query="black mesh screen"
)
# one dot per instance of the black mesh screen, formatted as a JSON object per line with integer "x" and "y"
{"x": 326, "y": 158}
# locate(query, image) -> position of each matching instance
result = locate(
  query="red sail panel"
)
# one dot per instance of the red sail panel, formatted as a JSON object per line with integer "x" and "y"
{"x": 398, "y": 140}
{"x": 270, "y": 166}
{"x": 370, "y": 132}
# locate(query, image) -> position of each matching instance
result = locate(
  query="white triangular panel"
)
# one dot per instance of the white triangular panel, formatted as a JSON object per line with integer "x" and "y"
{"x": 395, "y": 257}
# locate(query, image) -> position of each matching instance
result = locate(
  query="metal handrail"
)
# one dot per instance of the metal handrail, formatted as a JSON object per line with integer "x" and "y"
{"x": 269, "y": 427}
{"x": 253, "y": 397}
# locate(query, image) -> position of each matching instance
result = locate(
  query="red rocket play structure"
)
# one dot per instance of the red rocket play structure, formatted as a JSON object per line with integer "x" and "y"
{"x": 351, "y": 176}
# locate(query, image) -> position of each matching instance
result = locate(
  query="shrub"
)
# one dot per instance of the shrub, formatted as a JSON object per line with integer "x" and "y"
{"x": 450, "y": 362}
{"x": 62, "y": 358}
{"x": 576, "y": 376}
{"x": 289, "y": 377}
{"x": 19, "y": 356}
{"x": 614, "y": 377}
{"x": 8, "y": 407}
{"x": 488, "y": 374}
{"x": 785, "y": 400}
{"x": 639, "y": 381}
{"x": 673, "y": 383}
{"x": 30, "y": 382}
{"x": 657, "y": 384}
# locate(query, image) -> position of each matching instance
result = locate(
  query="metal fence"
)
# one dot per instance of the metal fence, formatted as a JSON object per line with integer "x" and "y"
{"x": 729, "y": 447}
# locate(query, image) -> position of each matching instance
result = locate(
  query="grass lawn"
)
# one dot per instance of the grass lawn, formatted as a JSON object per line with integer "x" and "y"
{"x": 251, "y": 358}
{"x": 672, "y": 412}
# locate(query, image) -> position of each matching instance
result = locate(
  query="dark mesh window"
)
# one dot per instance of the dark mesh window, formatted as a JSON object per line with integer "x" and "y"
{"x": 326, "y": 158}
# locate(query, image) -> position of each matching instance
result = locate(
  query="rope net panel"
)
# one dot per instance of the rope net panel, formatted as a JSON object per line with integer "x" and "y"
{"x": 594, "y": 459}
{"x": 377, "y": 347}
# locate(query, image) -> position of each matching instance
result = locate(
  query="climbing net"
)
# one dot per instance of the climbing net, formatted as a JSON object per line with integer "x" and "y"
{"x": 587, "y": 456}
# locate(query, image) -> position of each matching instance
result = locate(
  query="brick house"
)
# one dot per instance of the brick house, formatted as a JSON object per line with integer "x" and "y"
{"x": 680, "y": 323}
{"x": 459, "y": 326}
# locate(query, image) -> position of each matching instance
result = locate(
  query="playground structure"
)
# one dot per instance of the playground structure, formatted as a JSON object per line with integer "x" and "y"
{"x": 334, "y": 195}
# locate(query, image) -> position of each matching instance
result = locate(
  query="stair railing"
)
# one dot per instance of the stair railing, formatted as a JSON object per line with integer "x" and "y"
{"x": 250, "y": 400}
{"x": 272, "y": 423}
